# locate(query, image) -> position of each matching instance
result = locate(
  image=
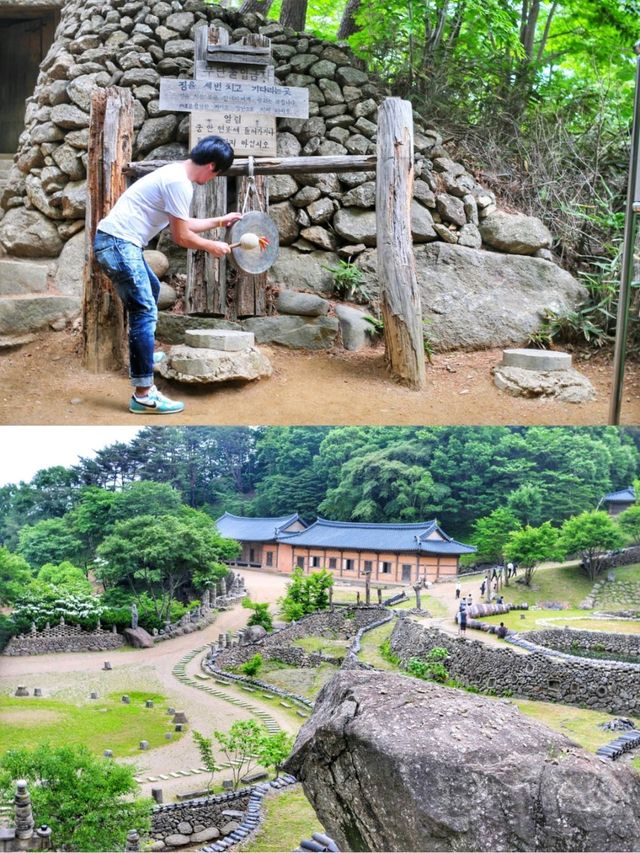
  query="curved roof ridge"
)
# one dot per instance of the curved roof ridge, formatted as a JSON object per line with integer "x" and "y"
{"x": 398, "y": 525}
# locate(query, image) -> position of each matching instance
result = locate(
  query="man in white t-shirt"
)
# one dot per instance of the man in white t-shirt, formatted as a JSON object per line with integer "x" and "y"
{"x": 159, "y": 199}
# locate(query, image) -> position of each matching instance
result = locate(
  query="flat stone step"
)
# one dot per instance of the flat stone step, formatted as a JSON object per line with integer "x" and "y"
{"x": 21, "y": 276}
{"x": 227, "y": 340}
{"x": 21, "y": 315}
{"x": 536, "y": 359}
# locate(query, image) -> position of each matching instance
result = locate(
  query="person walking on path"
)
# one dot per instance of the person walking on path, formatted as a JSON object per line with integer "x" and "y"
{"x": 462, "y": 620}
{"x": 458, "y": 590}
{"x": 160, "y": 198}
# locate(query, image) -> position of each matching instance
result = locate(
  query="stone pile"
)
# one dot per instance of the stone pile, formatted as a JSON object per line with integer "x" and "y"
{"x": 468, "y": 294}
{"x": 210, "y": 356}
{"x": 543, "y": 674}
{"x": 61, "y": 639}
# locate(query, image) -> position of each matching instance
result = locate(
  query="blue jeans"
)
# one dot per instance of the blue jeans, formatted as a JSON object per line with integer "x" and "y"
{"x": 138, "y": 287}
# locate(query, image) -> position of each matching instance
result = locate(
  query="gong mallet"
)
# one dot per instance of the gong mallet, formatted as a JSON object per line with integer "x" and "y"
{"x": 249, "y": 242}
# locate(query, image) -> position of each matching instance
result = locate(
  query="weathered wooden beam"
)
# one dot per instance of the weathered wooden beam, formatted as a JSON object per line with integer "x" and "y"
{"x": 279, "y": 165}
{"x": 104, "y": 325}
{"x": 401, "y": 308}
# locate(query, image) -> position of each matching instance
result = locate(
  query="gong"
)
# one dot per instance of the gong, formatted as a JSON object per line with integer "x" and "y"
{"x": 254, "y": 261}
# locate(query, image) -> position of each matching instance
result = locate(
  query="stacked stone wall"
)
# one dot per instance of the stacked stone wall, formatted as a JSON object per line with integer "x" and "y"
{"x": 63, "y": 638}
{"x": 320, "y": 217}
{"x": 605, "y": 685}
{"x": 597, "y": 641}
{"x": 197, "y": 821}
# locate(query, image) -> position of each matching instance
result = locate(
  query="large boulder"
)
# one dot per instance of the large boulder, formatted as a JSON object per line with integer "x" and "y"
{"x": 69, "y": 273}
{"x": 308, "y": 271}
{"x": 473, "y": 299}
{"x": 393, "y": 763}
{"x": 138, "y": 638}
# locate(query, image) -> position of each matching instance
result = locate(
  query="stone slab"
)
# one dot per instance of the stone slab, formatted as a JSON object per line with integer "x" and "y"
{"x": 25, "y": 314}
{"x": 536, "y": 359}
{"x": 567, "y": 386}
{"x": 20, "y": 276}
{"x": 227, "y": 340}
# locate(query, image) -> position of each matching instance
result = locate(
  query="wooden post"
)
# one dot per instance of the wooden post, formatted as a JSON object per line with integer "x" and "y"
{"x": 104, "y": 325}
{"x": 206, "y": 287}
{"x": 401, "y": 309}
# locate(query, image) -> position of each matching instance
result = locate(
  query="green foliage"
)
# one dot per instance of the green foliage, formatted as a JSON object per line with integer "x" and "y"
{"x": 252, "y": 666}
{"x": 65, "y": 576}
{"x": 533, "y": 545}
{"x": 431, "y": 667}
{"x": 15, "y": 573}
{"x": 88, "y": 802}
{"x": 261, "y": 615}
{"x": 386, "y": 653}
{"x": 491, "y": 533}
{"x": 164, "y": 556}
{"x": 245, "y": 746}
{"x": 205, "y": 748}
{"x": 49, "y": 541}
{"x": 7, "y": 630}
{"x": 116, "y": 610}
{"x": 629, "y": 522}
{"x": 590, "y": 534}
{"x": 306, "y": 594}
{"x": 349, "y": 282}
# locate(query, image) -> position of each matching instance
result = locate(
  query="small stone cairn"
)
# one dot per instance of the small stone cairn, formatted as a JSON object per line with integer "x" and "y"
{"x": 542, "y": 373}
{"x": 215, "y": 355}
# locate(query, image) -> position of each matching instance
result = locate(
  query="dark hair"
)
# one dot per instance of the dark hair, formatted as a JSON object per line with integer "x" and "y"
{"x": 213, "y": 149}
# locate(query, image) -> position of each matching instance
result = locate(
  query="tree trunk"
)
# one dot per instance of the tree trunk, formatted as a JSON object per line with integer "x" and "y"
{"x": 104, "y": 325}
{"x": 260, "y": 6}
{"x": 294, "y": 14}
{"x": 348, "y": 24}
{"x": 401, "y": 309}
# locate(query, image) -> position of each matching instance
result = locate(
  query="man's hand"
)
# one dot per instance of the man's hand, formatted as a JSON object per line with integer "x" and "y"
{"x": 218, "y": 249}
{"x": 229, "y": 218}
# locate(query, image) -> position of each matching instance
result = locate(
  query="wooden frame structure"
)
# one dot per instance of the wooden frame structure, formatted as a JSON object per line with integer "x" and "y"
{"x": 103, "y": 329}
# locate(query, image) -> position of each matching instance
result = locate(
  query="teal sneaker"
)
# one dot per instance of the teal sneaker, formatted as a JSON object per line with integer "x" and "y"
{"x": 159, "y": 356}
{"x": 154, "y": 403}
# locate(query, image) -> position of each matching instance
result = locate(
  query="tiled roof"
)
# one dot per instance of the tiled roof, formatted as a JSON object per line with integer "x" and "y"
{"x": 627, "y": 495}
{"x": 377, "y": 537}
{"x": 254, "y": 529}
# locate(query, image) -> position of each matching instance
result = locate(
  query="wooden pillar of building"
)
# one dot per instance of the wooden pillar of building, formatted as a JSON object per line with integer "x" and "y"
{"x": 401, "y": 308}
{"x": 104, "y": 324}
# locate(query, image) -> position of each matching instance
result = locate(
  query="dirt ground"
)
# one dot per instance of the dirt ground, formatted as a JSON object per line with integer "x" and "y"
{"x": 43, "y": 382}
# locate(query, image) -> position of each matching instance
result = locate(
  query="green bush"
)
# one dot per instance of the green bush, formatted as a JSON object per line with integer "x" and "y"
{"x": 7, "y": 630}
{"x": 431, "y": 667}
{"x": 252, "y": 666}
{"x": 148, "y": 618}
{"x": 48, "y": 605}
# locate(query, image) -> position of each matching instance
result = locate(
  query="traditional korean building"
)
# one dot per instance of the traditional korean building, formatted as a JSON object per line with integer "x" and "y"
{"x": 393, "y": 553}
{"x": 259, "y": 537}
{"x": 617, "y": 502}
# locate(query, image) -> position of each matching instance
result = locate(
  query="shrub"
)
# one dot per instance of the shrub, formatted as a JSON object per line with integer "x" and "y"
{"x": 260, "y": 615}
{"x": 252, "y": 666}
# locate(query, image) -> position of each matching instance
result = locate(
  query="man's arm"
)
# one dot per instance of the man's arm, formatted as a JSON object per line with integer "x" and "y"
{"x": 188, "y": 237}
{"x": 199, "y": 225}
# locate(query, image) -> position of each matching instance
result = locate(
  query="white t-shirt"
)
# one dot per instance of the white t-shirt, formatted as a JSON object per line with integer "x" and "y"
{"x": 141, "y": 212}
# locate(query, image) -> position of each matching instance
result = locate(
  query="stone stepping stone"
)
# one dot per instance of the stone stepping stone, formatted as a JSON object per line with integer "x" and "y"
{"x": 152, "y": 778}
{"x": 201, "y": 676}
{"x": 285, "y": 705}
{"x": 196, "y": 770}
{"x": 174, "y": 775}
{"x": 227, "y": 340}
{"x": 184, "y": 772}
{"x": 536, "y": 359}
{"x": 164, "y": 777}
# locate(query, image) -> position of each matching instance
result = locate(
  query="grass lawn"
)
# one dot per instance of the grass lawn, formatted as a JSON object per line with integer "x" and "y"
{"x": 105, "y": 723}
{"x": 370, "y": 647}
{"x": 327, "y": 645}
{"x": 564, "y": 583}
{"x": 306, "y": 681}
{"x": 628, "y": 573}
{"x": 577, "y": 619}
{"x": 578, "y": 724}
{"x": 288, "y": 819}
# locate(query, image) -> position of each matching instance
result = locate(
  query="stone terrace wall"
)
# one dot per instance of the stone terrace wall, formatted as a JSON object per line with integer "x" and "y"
{"x": 197, "y": 821}
{"x": 609, "y": 686}
{"x": 63, "y": 638}
{"x": 133, "y": 43}
{"x": 564, "y": 638}
{"x": 340, "y": 621}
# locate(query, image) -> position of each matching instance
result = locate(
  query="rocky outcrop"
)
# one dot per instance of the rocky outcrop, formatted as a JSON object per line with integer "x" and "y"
{"x": 393, "y": 763}
{"x": 473, "y": 299}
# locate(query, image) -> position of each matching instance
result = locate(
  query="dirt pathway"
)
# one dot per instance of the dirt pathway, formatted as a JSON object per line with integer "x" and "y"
{"x": 44, "y": 383}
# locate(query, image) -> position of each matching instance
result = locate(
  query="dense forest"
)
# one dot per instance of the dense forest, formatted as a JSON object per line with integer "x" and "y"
{"x": 536, "y": 96}
{"x": 457, "y": 474}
